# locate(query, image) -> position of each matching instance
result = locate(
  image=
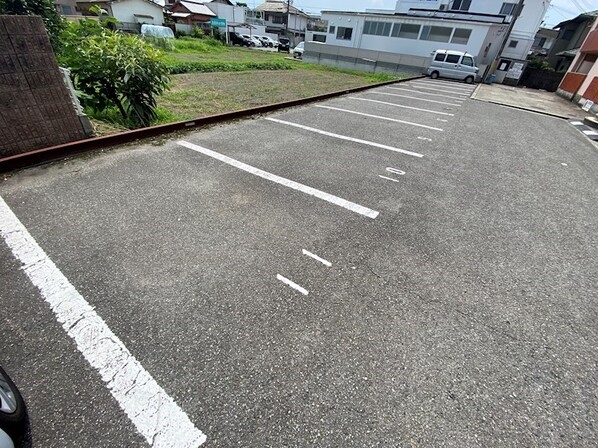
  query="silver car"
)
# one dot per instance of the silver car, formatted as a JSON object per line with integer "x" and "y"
{"x": 12, "y": 412}
{"x": 454, "y": 65}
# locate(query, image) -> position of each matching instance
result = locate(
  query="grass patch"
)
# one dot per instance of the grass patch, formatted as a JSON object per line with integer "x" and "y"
{"x": 196, "y": 95}
{"x": 210, "y": 67}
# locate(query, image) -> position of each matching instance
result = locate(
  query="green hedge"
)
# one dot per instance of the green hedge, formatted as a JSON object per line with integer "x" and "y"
{"x": 209, "y": 67}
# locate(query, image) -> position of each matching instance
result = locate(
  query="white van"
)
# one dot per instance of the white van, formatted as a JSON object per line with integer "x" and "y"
{"x": 453, "y": 64}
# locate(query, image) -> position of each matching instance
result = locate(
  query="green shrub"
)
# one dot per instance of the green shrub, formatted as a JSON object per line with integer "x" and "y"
{"x": 207, "y": 45}
{"x": 209, "y": 67}
{"x": 381, "y": 77}
{"x": 114, "y": 69}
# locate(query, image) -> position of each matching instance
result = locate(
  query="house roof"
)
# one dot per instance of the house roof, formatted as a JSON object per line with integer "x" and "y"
{"x": 279, "y": 6}
{"x": 590, "y": 15}
{"x": 196, "y": 8}
{"x": 113, "y": 1}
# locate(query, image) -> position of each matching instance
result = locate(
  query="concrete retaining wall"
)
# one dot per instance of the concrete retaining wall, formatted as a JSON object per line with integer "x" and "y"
{"x": 36, "y": 110}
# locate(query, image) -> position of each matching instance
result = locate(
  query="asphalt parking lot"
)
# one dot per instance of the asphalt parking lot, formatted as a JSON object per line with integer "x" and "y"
{"x": 401, "y": 267}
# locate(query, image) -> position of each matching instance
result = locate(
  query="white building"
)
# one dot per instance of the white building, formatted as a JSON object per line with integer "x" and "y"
{"x": 404, "y": 39}
{"x": 130, "y": 13}
{"x": 280, "y": 17}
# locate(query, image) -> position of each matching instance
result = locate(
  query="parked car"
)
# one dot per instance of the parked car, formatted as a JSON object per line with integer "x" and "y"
{"x": 266, "y": 41}
{"x": 298, "y": 50}
{"x": 453, "y": 64}
{"x": 255, "y": 42}
{"x": 284, "y": 44}
{"x": 12, "y": 412}
{"x": 237, "y": 39}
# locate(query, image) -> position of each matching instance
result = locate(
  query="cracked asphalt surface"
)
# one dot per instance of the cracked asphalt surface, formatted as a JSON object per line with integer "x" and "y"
{"x": 464, "y": 315}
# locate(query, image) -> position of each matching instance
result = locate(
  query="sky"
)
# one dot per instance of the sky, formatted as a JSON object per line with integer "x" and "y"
{"x": 559, "y": 10}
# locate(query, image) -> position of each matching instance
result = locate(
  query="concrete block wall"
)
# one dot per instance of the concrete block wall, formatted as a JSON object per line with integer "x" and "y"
{"x": 36, "y": 110}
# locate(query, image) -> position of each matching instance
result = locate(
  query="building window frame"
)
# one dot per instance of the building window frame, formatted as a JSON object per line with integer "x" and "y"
{"x": 344, "y": 33}
{"x": 460, "y": 5}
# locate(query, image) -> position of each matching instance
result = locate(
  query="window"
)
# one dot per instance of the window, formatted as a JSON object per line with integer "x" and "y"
{"x": 467, "y": 60}
{"x": 436, "y": 33}
{"x": 461, "y": 5}
{"x": 406, "y": 30}
{"x": 542, "y": 42}
{"x": 344, "y": 33}
{"x": 67, "y": 10}
{"x": 453, "y": 58}
{"x": 440, "y": 57}
{"x": 377, "y": 28}
{"x": 461, "y": 36}
{"x": 332, "y": 30}
{"x": 513, "y": 44}
{"x": 568, "y": 34}
{"x": 507, "y": 9}
{"x": 278, "y": 19}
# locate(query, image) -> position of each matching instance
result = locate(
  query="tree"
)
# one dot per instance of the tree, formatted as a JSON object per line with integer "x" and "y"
{"x": 114, "y": 69}
{"x": 45, "y": 8}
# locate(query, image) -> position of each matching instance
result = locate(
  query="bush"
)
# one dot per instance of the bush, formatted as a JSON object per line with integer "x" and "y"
{"x": 114, "y": 69}
{"x": 209, "y": 67}
{"x": 207, "y": 45}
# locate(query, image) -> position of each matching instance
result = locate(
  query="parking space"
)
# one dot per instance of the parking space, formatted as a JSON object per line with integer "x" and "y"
{"x": 398, "y": 266}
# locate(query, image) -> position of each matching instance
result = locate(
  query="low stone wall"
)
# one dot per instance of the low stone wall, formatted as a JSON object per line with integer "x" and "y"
{"x": 36, "y": 110}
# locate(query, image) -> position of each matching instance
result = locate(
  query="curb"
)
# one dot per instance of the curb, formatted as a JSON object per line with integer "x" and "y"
{"x": 44, "y": 155}
{"x": 562, "y": 117}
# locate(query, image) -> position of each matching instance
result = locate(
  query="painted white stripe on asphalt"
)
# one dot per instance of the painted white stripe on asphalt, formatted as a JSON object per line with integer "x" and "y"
{"x": 292, "y": 284}
{"x": 379, "y": 117}
{"x": 427, "y": 93}
{"x": 315, "y": 257}
{"x": 590, "y": 132}
{"x": 401, "y": 106}
{"x": 426, "y": 86}
{"x": 282, "y": 181}
{"x": 577, "y": 123}
{"x": 388, "y": 178}
{"x": 453, "y": 85}
{"x": 418, "y": 99}
{"x": 344, "y": 137}
{"x": 153, "y": 412}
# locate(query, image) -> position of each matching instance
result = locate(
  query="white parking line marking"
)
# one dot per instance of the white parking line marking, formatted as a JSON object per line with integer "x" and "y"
{"x": 315, "y": 257}
{"x": 590, "y": 132}
{"x": 427, "y": 93}
{"x": 439, "y": 83}
{"x": 401, "y": 106}
{"x": 379, "y": 117}
{"x": 425, "y": 138}
{"x": 153, "y": 412}
{"x": 344, "y": 137}
{"x": 418, "y": 99}
{"x": 441, "y": 89}
{"x": 576, "y": 123}
{"x": 388, "y": 178}
{"x": 292, "y": 284}
{"x": 282, "y": 181}
{"x": 444, "y": 121}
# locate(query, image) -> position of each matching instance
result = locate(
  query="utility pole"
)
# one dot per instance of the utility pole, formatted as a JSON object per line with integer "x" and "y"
{"x": 516, "y": 14}
{"x": 288, "y": 15}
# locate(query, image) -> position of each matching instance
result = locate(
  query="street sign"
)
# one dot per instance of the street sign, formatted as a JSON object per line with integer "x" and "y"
{"x": 218, "y": 23}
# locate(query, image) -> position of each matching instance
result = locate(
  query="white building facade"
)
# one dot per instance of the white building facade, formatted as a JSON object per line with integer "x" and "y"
{"x": 407, "y": 36}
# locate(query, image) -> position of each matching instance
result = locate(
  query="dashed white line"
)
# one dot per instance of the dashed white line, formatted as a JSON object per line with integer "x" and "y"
{"x": 379, "y": 117}
{"x": 153, "y": 412}
{"x": 444, "y": 121}
{"x": 292, "y": 284}
{"x": 315, "y": 257}
{"x": 388, "y": 178}
{"x": 576, "y": 123}
{"x": 425, "y": 139}
{"x": 419, "y": 99}
{"x": 590, "y": 132}
{"x": 282, "y": 181}
{"x": 344, "y": 137}
{"x": 427, "y": 93}
{"x": 401, "y": 106}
